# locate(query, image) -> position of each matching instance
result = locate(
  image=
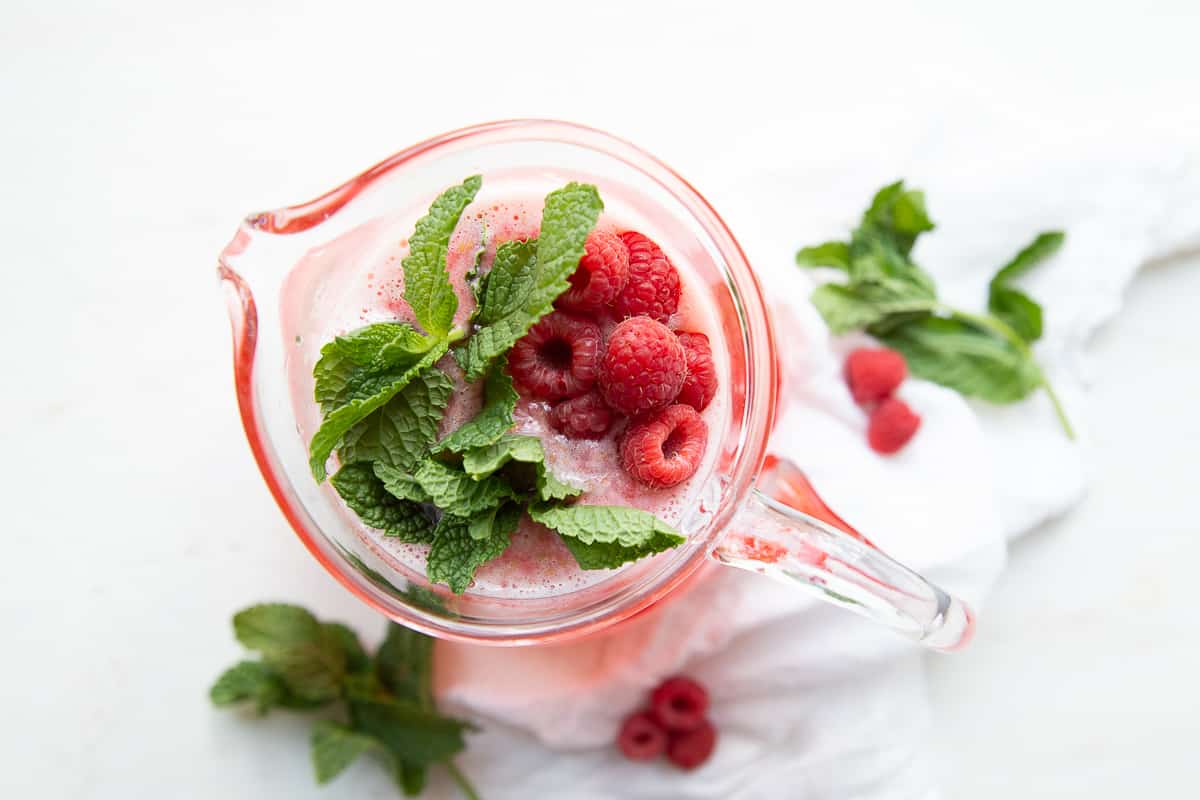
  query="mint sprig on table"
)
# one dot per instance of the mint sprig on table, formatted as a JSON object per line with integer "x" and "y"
{"x": 886, "y": 294}
{"x": 383, "y": 397}
{"x": 384, "y": 702}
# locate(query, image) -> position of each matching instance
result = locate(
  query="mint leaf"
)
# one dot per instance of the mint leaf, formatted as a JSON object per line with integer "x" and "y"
{"x": 828, "y": 254}
{"x": 399, "y": 433}
{"x": 493, "y": 420}
{"x": 401, "y": 485}
{"x": 1041, "y": 248}
{"x": 1017, "y": 310}
{"x": 376, "y": 507}
{"x": 965, "y": 358}
{"x": 427, "y": 288}
{"x": 349, "y": 363}
{"x": 372, "y": 394}
{"x": 455, "y": 492}
{"x": 275, "y": 626}
{"x": 1012, "y": 306}
{"x": 568, "y": 217}
{"x": 605, "y": 537}
{"x": 404, "y": 665}
{"x": 509, "y": 282}
{"x": 412, "y": 734}
{"x": 455, "y": 555}
{"x": 500, "y": 521}
{"x": 248, "y": 680}
{"x": 850, "y": 307}
{"x": 481, "y": 462}
{"x": 333, "y": 747}
{"x": 308, "y": 657}
{"x": 357, "y": 659}
{"x": 897, "y": 216}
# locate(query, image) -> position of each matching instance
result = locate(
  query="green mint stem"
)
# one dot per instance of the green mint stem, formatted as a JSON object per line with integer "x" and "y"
{"x": 463, "y": 783}
{"x": 999, "y": 327}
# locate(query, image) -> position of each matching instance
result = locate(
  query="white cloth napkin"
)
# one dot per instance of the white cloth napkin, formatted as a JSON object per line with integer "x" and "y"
{"x": 810, "y": 701}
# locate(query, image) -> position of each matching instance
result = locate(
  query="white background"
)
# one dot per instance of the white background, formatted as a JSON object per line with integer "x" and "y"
{"x": 134, "y": 136}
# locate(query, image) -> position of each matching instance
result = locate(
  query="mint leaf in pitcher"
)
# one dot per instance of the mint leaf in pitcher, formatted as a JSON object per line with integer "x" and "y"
{"x": 427, "y": 288}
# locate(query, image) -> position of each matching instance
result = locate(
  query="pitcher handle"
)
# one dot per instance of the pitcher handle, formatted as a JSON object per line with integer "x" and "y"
{"x": 804, "y": 544}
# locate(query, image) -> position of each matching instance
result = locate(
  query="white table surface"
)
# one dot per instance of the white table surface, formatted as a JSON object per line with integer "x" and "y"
{"x": 133, "y": 139}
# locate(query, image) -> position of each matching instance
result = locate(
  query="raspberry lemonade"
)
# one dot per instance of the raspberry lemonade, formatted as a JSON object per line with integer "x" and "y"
{"x": 519, "y": 396}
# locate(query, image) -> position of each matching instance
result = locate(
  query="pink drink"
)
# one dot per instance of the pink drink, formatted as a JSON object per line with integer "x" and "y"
{"x": 357, "y": 280}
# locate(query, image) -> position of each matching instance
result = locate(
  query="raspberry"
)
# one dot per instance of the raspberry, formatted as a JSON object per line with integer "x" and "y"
{"x": 643, "y": 366}
{"x": 653, "y": 287}
{"x": 558, "y": 358}
{"x": 583, "y": 417}
{"x": 873, "y": 373}
{"x": 641, "y": 738}
{"x": 679, "y": 704}
{"x": 664, "y": 447}
{"x": 892, "y": 424}
{"x": 601, "y": 275}
{"x": 700, "y": 385}
{"x": 690, "y": 749}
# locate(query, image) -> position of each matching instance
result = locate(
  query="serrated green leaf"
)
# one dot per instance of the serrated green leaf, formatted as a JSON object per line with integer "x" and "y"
{"x": 494, "y": 418}
{"x": 827, "y": 254}
{"x": 500, "y": 521}
{"x": 275, "y": 626}
{"x": 1012, "y": 306}
{"x": 1041, "y": 248}
{"x": 455, "y": 492}
{"x": 510, "y": 281}
{"x": 455, "y": 556}
{"x": 411, "y": 734}
{"x": 368, "y": 497}
{"x": 427, "y": 288}
{"x": 312, "y": 671}
{"x": 1017, "y": 310}
{"x": 481, "y": 462}
{"x": 568, "y": 217}
{"x": 401, "y": 484}
{"x": 399, "y": 433}
{"x": 349, "y": 363}
{"x": 357, "y": 659}
{"x": 371, "y": 395}
{"x": 896, "y": 215}
{"x": 248, "y": 680}
{"x": 404, "y": 665}
{"x": 307, "y": 657}
{"x": 965, "y": 358}
{"x": 333, "y": 747}
{"x": 850, "y": 307}
{"x": 605, "y": 537}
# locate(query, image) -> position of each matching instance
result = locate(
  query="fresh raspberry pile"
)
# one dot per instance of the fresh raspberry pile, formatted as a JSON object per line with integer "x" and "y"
{"x": 873, "y": 375}
{"x": 647, "y": 382}
{"x": 676, "y": 724}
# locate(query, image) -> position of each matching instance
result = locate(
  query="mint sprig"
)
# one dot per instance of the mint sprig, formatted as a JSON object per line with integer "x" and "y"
{"x": 889, "y": 296}
{"x": 384, "y": 701}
